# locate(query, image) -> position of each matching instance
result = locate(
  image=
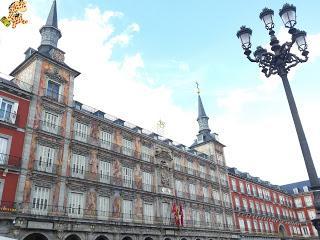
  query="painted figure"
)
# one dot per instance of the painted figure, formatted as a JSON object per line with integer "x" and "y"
{"x": 138, "y": 177}
{"x": 138, "y": 208}
{"x": 116, "y": 206}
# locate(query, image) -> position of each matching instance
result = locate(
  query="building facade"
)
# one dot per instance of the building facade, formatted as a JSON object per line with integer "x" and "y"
{"x": 263, "y": 210}
{"x": 14, "y": 107}
{"x": 304, "y": 204}
{"x": 86, "y": 175}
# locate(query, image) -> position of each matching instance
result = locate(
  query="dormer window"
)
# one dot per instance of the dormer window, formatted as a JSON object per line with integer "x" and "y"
{"x": 200, "y": 138}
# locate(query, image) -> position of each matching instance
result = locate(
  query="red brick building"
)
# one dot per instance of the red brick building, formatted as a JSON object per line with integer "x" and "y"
{"x": 304, "y": 204}
{"x": 262, "y": 210}
{"x": 14, "y": 108}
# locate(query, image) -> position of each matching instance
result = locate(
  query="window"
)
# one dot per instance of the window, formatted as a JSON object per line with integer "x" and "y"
{"x": 230, "y": 221}
{"x": 147, "y": 181}
{"x": 237, "y": 202}
{"x": 190, "y": 167}
{"x": 260, "y": 193}
{"x": 46, "y": 158}
{"x": 263, "y": 208}
{"x": 241, "y": 225}
{"x": 196, "y": 217}
{"x": 78, "y": 166}
{"x": 8, "y": 111}
{"x": 213, "y": 175}
{"x": 248, "y": 189}
{"x": 53, "y": 90}
{"x": 146, "y": 153}
{"x": 207, "y": 218}
{"x": 127, "y": 210}
{"x": 275, "y": 199}
{"x": 106, "y": 139}
{"x": 179, "y": 188}
{"x": 192, "y": 190}
{"x": 258, "y": 207}
{"x": 255, "y": 225}
{"x": 216, "y": 197}
{"x": 297, "y": 202}
{"x": 227, "y": 200}
{"x": 205, "y": 194}
{"x": 301, "y": 216}
{"x": 81, "y": 132}
{"x": 271, "y": 227}
{"x": 261, "y": 226}
{"x": 249, "y": 225}
{"x": 148, "y": 213}
{"x": 50, "y": 122}
{"x": 305, "y": 231}
{"x": 127, "y": 177}
{"x": 103, "y": 207}
{"x": 241, "y": 187}
{"x": 278, "y": 212}
{"x": 127, "y": 147}
{"x": 202, "y": 171}
{"x": 234, "y": 185}
{"x": 219, "y": 220}
{"x": 254, "y": 191}
{"x": 166, "y": 211}
{"x": 266, "y": 226}
{"x": 245, "y": 204}
{"x": 1, "y": 188}
{"x": 75, "y": 204}
{"x": 223, "y": 179}
{"x": 40, "y": 200}
{"x": 251, "y": 206}
{"x": 105, "y": 171}
{"x": 308, "y": 201}
{"x": 177, "y": 163}
{"x": 312, "y": 214}
{"x": 4, "y": 143}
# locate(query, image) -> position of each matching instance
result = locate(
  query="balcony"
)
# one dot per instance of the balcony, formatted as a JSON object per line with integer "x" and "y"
{"x": 46, "y": 165}
{"x": 9, "y": 161}
{"x": 8, "y": 117}
{"x": 50, "y": 128}
{"x": 53, "y": 95}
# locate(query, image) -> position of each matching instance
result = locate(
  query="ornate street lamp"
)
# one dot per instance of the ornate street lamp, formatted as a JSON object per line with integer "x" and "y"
{"x": 279, "y": 61}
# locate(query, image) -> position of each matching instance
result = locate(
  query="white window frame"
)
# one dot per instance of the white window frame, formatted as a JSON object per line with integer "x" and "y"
{"x": 127, "y": 177}
{"x": 2, "y": 181}
{"x": 190, "y": 167}
{"x": 46, "y": 158}
{"x": 148, "y": 213}
{"x": 103, "y": 207}
{"x": 5, "y": 146}
{"x": 128, "y": 147}
{"x": 78, "y": 165}
{"x": 75, "y": 204}
{"x": 13, "y": 112}
{"x": 192, "y": 191}
{"x": 81, "y": 131}
{"x": 105, "y": 171}
{"x": 106, "y": 139}
{"x": 147, "y": 181}
{"x": 146, "y": 153}
{"x": 127, "y": 210}
{"x": 40, "y": 200}
{"x": 50, "y": 122}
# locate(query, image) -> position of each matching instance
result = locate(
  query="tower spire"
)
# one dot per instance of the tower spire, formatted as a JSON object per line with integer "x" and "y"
{"x": 50, "y": 34}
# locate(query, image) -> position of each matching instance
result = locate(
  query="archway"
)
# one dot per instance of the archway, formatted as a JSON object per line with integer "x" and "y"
{"x": 101, "y": 238}
{"x": 167, "y": 239}
{"x": 73, "y": 237}
{"x": 148, "y": 238}
{"x": 183, "y": 239}
{"x": 36, "y": 236}
{"x": 127, "y": 238}
{"x": 282, "y": 232}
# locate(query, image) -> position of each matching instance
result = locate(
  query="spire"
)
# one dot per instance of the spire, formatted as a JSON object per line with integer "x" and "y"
{"x": 201, "y": 112}
{"x": 52, "y": 19}
{"x": 50, "y": 34}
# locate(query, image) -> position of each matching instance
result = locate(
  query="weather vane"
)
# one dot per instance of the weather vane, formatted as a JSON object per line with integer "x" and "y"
{"x": 198, "y": 89}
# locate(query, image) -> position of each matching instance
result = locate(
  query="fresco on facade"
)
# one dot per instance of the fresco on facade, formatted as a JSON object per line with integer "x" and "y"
{"x": 138, "y": 208}
{"x": 137, "y": 174}
{"x": 117, "y": 175}
{"x": 116, "y": 205}
{"x": 199, "y": 190}
{"x": 91, "y": 203}
{"x": 188, "y": 214}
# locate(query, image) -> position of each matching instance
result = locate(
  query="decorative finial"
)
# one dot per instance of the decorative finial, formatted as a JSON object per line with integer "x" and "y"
{"x": 198, "y": 89}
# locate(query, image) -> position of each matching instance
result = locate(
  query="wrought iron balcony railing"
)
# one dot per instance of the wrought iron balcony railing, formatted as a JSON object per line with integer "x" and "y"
{"x": 8, "y": 117}
{"x": 9, "y": 161}
{"x": 50, "y": 127}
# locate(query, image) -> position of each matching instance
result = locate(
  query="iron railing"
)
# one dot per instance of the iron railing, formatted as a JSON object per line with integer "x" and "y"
{"x": 8, "y": 117}
{"x": 50, "y": 127}
{"x": 9, "y": 161}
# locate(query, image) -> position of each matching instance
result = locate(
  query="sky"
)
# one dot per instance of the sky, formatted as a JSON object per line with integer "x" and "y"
{"x": 139, "y": 61}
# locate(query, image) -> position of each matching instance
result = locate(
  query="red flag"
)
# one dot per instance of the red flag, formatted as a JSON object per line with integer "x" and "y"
{"x": 181, "y": 215}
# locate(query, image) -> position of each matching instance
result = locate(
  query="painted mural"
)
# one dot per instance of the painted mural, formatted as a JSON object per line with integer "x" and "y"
{"x": 116, "y": 205}
{"x": 138, "y": 209}
{"x": 137, "y": 174}
{"x": 91, "y": 203}
{"x": 117, "y": 174}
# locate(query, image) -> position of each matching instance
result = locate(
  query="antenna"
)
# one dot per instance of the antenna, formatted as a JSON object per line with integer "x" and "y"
{"x": 160, "y": 127}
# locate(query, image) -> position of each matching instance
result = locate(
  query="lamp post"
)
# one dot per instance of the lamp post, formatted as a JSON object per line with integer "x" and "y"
{"x": 279, "y": 62}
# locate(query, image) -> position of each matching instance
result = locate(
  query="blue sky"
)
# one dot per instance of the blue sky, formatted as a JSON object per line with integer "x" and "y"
{"x": 152, "y": 52}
